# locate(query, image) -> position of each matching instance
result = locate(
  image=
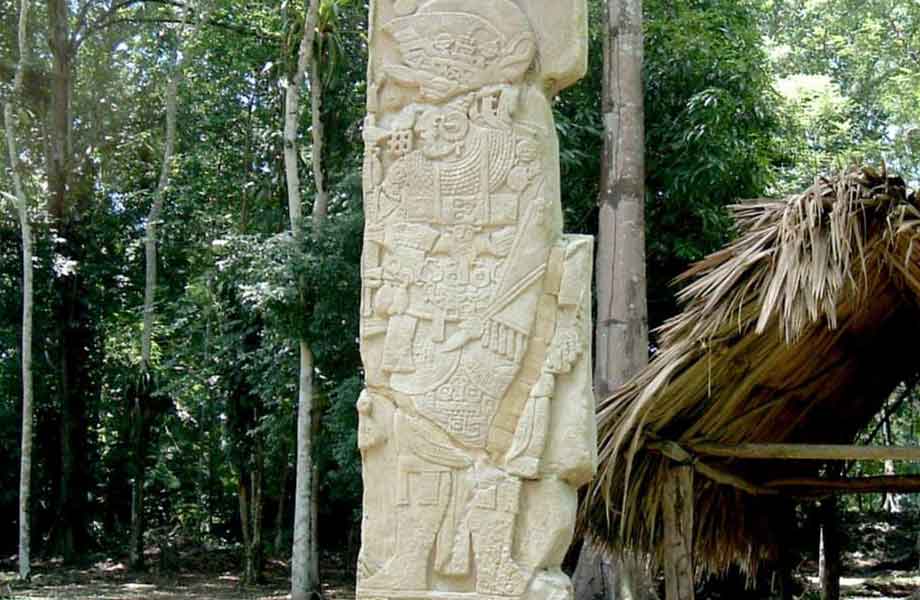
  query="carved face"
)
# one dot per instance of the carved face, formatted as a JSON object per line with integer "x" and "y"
{"x": 442, "y": 131}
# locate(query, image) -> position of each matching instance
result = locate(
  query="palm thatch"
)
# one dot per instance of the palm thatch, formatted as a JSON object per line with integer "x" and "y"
{"x": 795, "y": 333}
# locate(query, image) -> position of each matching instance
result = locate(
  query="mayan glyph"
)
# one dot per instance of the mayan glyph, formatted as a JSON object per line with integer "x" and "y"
{"x": 477, "y": 426}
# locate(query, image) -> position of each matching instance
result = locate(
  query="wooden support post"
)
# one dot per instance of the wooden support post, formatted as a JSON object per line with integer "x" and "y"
{"x": 677, "y": 511}
{"x": 830, "y": 550}
{"x": 785, "y": 583}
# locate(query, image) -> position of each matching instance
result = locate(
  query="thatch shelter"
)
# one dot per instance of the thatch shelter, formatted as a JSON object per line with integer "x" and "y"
{"x": 796, "y": 333}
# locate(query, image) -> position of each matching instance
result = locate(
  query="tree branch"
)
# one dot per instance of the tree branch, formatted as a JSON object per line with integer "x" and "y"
{"x": 210, "y": 22}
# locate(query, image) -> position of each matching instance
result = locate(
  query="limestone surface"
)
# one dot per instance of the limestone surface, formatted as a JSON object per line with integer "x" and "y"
{"x": 477, "y": 425}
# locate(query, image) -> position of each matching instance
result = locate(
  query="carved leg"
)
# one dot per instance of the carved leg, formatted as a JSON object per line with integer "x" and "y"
{"x": 492, "y": 527}
{"x": 418, "y": 523}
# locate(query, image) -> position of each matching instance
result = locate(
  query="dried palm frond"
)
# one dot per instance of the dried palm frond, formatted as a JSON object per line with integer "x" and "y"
{"x": 783, "y": 337}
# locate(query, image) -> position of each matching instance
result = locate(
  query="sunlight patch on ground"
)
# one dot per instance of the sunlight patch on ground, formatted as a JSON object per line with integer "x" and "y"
{"x": 886, "y": 586}
{"x": 197, "y": 588}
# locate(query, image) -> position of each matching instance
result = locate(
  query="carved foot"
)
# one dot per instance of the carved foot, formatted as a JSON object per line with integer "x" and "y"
{"x": 525, "y": 467}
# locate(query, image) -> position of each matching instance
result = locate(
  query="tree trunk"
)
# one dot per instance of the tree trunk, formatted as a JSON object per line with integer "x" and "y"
{"x": 321, "y": 200}
{"x": 59, "y": 158}
{"x": 320, "y": 211}
{"x": 622, "y": 328}
{"x": 830, "y": 550}
{"x": 891, "y": 504}
{"x": 282, "y": 502}
{"x": 68, "y": 526}
{"x": 314, "y": 525}
{"x": 251, "y": 513}
{"x": 138, "y": 452}
{"x": 136, "y": 558}
{"x": 10, "y": 121}
{"x": 302, "y": 584}
{"x": 243, "y": 495}
{"x": 678, "y": 534}
{"x": 622, "y": 320}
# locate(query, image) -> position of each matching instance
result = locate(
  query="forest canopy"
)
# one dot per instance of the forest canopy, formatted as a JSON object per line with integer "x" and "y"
{"x": 744, "y": 99}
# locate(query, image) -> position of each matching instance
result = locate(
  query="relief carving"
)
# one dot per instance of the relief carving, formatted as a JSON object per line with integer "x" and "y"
{"x": 477, "y": 426}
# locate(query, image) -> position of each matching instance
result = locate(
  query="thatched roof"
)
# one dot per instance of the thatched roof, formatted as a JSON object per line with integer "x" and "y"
{"x": 795, "y": 333}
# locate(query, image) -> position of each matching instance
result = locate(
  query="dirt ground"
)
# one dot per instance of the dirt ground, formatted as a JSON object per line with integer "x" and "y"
{"x": 110, "y": 580}
{"x": 880, "y": 564}
{"x": 881, "y": 561}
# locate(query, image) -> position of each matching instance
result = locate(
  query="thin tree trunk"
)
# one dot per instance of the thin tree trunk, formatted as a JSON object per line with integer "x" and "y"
{"x": 25, "y": 465}
{"x": 282, "y": 498}
{"x": 136, "y": 558}
{"x": 891, "y": 503}
{"x": 321, "y": 200}
{"x": 138, "y": 451}
{"x": 822, "y": 555}
{"x": 622, "y": 321}
{"x": 314, "y": 526}
{"x": 320, "y": 211}
{"x": 254, "y": 550}
{"x": 243, "y": 495}
{"x": 302, "y": 584}
{"x": 292, "y": 119}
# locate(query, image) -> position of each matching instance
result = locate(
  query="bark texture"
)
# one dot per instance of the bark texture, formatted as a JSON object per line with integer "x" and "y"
{"x": 302, "y": 582}
{"x": 251, "y": 511}
{"x": 321, "y": 200}
{"x": 22, "y": 208}
{"x": 62, "y": 53}
{"x": 320, "y": 210}
{"x": 282, "y": 502}
{"x": 621, "y": 335}
{"x": 302, "y": 585}
{"x": 678, "y": 534}
{"x": 622, "y": 327}
{"x": 74, "y": 334}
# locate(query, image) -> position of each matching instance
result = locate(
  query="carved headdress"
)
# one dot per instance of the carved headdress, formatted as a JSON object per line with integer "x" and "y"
{"x": 449, "y": 47}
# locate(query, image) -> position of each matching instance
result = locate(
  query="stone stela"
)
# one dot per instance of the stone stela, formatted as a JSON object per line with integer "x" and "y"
{"x": 477, "y": 426}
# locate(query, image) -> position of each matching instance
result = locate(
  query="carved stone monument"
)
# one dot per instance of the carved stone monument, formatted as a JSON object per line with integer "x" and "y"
{"x": 477, "y": 426}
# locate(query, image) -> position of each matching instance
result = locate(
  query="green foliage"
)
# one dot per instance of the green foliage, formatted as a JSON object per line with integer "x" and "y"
{"x": 712, "y": 123}
{"x": 711, "y": 118}
{"x": 869, "y": 50}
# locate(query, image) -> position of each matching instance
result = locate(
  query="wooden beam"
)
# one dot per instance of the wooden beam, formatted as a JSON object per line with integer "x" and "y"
{"x": 677, "y": 516}
{"x": 673, "y": 451}
{"x": 807, "y": 452}
{"x": 815, "y": 486}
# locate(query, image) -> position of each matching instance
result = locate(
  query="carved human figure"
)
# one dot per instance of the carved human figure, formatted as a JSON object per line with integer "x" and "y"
{"x": 477, "y": 425}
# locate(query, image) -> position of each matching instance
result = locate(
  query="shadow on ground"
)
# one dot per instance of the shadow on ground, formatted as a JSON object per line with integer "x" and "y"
{"x": 108, "y": 579}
